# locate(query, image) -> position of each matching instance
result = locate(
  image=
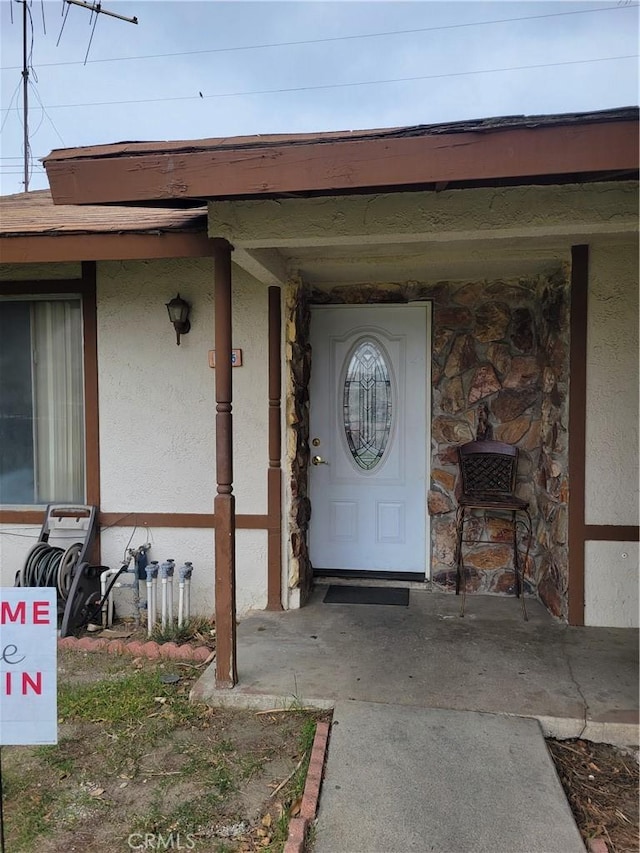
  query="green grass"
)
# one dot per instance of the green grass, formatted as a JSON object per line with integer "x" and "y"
{"x": 120, "y": 701}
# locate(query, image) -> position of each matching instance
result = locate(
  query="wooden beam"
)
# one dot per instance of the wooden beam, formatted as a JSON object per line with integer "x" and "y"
{"x": 91, "y": 417}
{"x": 176, "y": 520}
{"x": 274, "y": 474}
{"x": 45, "y": 248}
{"x": 612, "y": 533}
{"x": 577, "y": 429}
{"x": 351, "y": 165}
{"x": 224, "y": 502}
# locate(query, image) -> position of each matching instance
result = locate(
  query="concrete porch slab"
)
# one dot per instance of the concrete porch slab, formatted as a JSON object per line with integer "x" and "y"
{"x": 575, "y": 681}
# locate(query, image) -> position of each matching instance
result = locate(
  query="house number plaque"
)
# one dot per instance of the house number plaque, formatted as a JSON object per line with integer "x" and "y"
{"x": 236, "y": 358}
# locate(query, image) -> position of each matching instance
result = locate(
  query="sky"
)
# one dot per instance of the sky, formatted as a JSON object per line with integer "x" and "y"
{"x": 191, "y": 70}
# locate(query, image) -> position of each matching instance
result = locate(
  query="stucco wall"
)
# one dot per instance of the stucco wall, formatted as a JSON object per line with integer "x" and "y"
{"x": 157, "y": 414}
{"x": 611, "y": 584}
{"x": 611, "y": 580}
{"x": 157, "y": 417}
{"x": 33, "y": 272}
{"x": 612, "y": 385}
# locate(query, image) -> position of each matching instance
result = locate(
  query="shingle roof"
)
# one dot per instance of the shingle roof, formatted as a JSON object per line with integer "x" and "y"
{"x": 483, "y": 125}
{"x": 34, "y": 213}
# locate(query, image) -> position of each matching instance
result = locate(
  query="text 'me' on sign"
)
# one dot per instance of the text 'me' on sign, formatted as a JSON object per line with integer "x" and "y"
{"x": 28, "y": 672}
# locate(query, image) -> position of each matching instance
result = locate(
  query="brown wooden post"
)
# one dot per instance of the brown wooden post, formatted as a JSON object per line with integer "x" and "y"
{"x": 577, "y": 429}
{"x": 274, "y": 474}
{"x": 224, "y": 502}
{"x": 91, "y": 423}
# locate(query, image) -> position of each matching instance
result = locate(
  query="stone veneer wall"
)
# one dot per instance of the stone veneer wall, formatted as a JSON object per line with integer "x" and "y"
{"x": 298, "y": 370}
{"x": 502, "y": 344}
{"x": 552, "y": 481}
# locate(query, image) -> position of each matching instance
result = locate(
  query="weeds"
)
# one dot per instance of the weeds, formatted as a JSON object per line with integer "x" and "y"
{"x": 199, "y": 628}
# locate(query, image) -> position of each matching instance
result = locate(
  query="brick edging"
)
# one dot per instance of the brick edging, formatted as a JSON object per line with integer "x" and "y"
{"x": 311, "y": 796}
{"x": 150, "y": 649}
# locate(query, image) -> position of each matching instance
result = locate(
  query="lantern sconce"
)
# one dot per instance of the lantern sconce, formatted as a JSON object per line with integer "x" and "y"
{"x": 178, "y": 311}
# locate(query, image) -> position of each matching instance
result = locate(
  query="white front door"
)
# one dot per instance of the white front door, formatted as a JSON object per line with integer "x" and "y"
{"x": 368, "y": 438}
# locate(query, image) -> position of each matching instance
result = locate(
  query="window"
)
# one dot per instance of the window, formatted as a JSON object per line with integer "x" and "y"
{"x": 367, "y": 404}
{"x": 41, "y": 401}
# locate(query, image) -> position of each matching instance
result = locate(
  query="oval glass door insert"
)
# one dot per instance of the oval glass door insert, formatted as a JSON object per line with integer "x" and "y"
{"x": 367, "y": 404}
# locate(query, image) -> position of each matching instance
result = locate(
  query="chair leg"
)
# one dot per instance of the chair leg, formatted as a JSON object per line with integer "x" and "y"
{"x": 459, "y": 560}
{"x": 518, "y": 572}
{"x": 458, "y": 556}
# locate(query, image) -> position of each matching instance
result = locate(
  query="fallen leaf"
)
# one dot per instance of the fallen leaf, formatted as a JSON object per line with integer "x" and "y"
{"x": 266, "y": 820}
{"x": 294, "y": 808}
{"x": 96, "y": 792}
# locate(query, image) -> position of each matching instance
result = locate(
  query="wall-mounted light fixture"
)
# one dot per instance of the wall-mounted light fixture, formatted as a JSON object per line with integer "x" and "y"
{"x": 179, "y": 315}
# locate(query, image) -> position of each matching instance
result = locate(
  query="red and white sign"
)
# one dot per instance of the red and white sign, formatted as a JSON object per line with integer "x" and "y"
{"x": 28, "y": 670}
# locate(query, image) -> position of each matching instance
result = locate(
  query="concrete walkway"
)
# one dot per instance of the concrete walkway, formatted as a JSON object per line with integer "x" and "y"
{"x": 437, "y": 738}
{"x": 401, "y": 779}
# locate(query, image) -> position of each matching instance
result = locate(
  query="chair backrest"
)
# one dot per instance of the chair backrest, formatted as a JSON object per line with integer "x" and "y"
{"x": 488, "y": 468}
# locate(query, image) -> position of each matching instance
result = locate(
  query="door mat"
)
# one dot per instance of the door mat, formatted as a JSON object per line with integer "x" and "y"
{"x": 337, "y": 594}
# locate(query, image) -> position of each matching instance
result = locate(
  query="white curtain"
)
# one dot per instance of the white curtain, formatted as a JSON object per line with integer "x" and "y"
{"x": 58, "y": 401}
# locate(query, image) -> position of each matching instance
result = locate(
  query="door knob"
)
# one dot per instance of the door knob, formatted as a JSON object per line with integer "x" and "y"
{"x": 318, "y": 460}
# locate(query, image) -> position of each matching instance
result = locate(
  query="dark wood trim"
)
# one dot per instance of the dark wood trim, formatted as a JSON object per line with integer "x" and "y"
{"x": 327, "y": 166}
{"x": 201, "y": 520}
{"x": 91, "y": 418}
{"x": 274, "y": 472}
{"x": 577, "y": 429}
{"x": 92, "y": 432}
{"x": 30, "y": 287}
{"x": 46, "y": 248}
{"x": 196, "y": 520}
{"x": 612, "y": 533}
{"x": 224, "y": 502}
{"x": 21, "y": 516}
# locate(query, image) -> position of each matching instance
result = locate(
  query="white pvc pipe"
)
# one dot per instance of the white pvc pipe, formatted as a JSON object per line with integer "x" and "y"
{"x": 181, "y": 603}
{"x": 107, "y": 607}
{"x": 170, "y": 597}
{"x": 163, "y": 618}
{"x": 154, "y": 599}
{"x": 149, "y": 606}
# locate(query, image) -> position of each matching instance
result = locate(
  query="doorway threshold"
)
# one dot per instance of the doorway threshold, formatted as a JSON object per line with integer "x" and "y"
{"x": 349, "y": 577}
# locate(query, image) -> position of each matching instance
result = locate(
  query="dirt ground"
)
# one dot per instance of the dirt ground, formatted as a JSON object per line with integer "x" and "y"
{"x": 601, "y": 784}
{"x": 138, "y": 767}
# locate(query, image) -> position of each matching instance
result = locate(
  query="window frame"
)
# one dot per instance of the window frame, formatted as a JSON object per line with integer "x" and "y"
{"x": 85, "y": 288}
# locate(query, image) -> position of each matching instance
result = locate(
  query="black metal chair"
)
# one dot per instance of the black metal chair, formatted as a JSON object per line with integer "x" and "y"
{"x": 488, "y": 472}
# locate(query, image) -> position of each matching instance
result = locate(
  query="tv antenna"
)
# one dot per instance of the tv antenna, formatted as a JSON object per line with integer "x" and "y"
{"x": 95, "y": 9}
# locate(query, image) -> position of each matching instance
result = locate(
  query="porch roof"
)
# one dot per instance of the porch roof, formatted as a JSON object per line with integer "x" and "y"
{"x": 33, "y": 228}
{"x": 514, "y": 149}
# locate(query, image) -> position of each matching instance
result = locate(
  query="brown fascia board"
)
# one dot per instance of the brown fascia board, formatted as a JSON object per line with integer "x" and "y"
{"x": 49, "y": 248}
{"x": 352, "y": 165}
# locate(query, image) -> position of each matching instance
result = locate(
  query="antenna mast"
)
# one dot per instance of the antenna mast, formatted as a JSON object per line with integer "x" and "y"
{"x": 94, "y": 8}
{"x": 25, "y": 95}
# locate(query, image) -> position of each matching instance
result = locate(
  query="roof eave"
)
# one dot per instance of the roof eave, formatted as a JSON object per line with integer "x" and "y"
{"x": 353, "y": 165}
